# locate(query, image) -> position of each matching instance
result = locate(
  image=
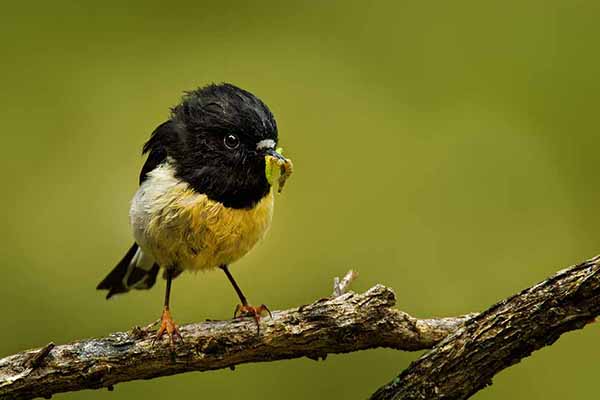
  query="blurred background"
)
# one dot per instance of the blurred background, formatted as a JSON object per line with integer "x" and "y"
{"x": 446, "y": 149}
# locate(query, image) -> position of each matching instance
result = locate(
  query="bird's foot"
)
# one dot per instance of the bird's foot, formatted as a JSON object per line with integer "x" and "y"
{"x": 167, "y": 325}
{"x": 245, "y": 310}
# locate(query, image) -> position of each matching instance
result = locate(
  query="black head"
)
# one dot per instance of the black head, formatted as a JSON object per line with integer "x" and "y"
{"x": 218, "y": 137}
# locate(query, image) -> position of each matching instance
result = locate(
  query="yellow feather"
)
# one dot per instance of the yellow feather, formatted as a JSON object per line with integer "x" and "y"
{"x": 195, "y": 233}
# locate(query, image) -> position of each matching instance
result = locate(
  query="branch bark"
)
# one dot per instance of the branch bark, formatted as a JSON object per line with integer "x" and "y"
{"x": 342, "y": 324}
{"x": 501, "y": 336}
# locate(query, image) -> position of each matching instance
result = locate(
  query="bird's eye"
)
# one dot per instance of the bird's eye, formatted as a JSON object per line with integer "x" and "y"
{"x": 231, "y": 142}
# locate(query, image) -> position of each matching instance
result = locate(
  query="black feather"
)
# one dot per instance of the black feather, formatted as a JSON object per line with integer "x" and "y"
{"x": 138, "y": 278}
{"x": 156, "y": 147}
{"x": 118, "y": 273}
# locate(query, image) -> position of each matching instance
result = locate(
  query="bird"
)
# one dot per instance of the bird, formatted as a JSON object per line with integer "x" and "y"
{"x": 205, "y": 195}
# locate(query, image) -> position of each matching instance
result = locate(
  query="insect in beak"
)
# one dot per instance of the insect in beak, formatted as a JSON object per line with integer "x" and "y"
{"x": 274, "y": 159}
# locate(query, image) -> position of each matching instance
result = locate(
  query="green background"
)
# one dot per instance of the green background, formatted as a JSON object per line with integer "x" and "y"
{"x": 446, "y": 149}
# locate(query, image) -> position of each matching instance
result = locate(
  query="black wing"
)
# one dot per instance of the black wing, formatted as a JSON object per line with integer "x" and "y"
{"x": 163, "y": 137}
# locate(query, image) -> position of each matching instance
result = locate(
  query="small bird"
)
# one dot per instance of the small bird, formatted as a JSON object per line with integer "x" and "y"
{"x": 205, "y": 196}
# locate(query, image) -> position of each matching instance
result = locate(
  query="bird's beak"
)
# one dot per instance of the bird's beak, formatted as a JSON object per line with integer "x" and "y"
{"x": 273, "y": 153}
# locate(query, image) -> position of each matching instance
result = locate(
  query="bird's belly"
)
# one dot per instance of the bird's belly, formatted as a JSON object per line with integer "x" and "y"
{"x": 184, "y": 229}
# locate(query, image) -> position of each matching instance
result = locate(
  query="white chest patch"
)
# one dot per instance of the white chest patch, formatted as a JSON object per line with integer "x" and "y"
{"x": 149, "y": 199}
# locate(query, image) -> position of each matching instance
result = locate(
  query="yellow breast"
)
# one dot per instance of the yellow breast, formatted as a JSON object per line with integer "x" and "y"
{"x": 193, "y": 232}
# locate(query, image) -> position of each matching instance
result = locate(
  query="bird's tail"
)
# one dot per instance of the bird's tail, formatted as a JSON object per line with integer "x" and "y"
{"x": 135, "y": 271}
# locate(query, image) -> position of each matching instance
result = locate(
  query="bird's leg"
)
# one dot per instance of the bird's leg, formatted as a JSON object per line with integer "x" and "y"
{"x": 245, "y": 309}
{"x": 166, "y": 321}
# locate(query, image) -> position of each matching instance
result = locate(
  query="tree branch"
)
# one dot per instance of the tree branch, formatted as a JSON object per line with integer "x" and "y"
{"x": 501, "y": 336}
{"x": 469, "y": 350}
{"x": 342, "y": 324}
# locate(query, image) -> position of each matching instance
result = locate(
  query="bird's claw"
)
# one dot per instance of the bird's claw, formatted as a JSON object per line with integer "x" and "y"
{"x": 167, "y": 325}
{"x": 245, "y": 310}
